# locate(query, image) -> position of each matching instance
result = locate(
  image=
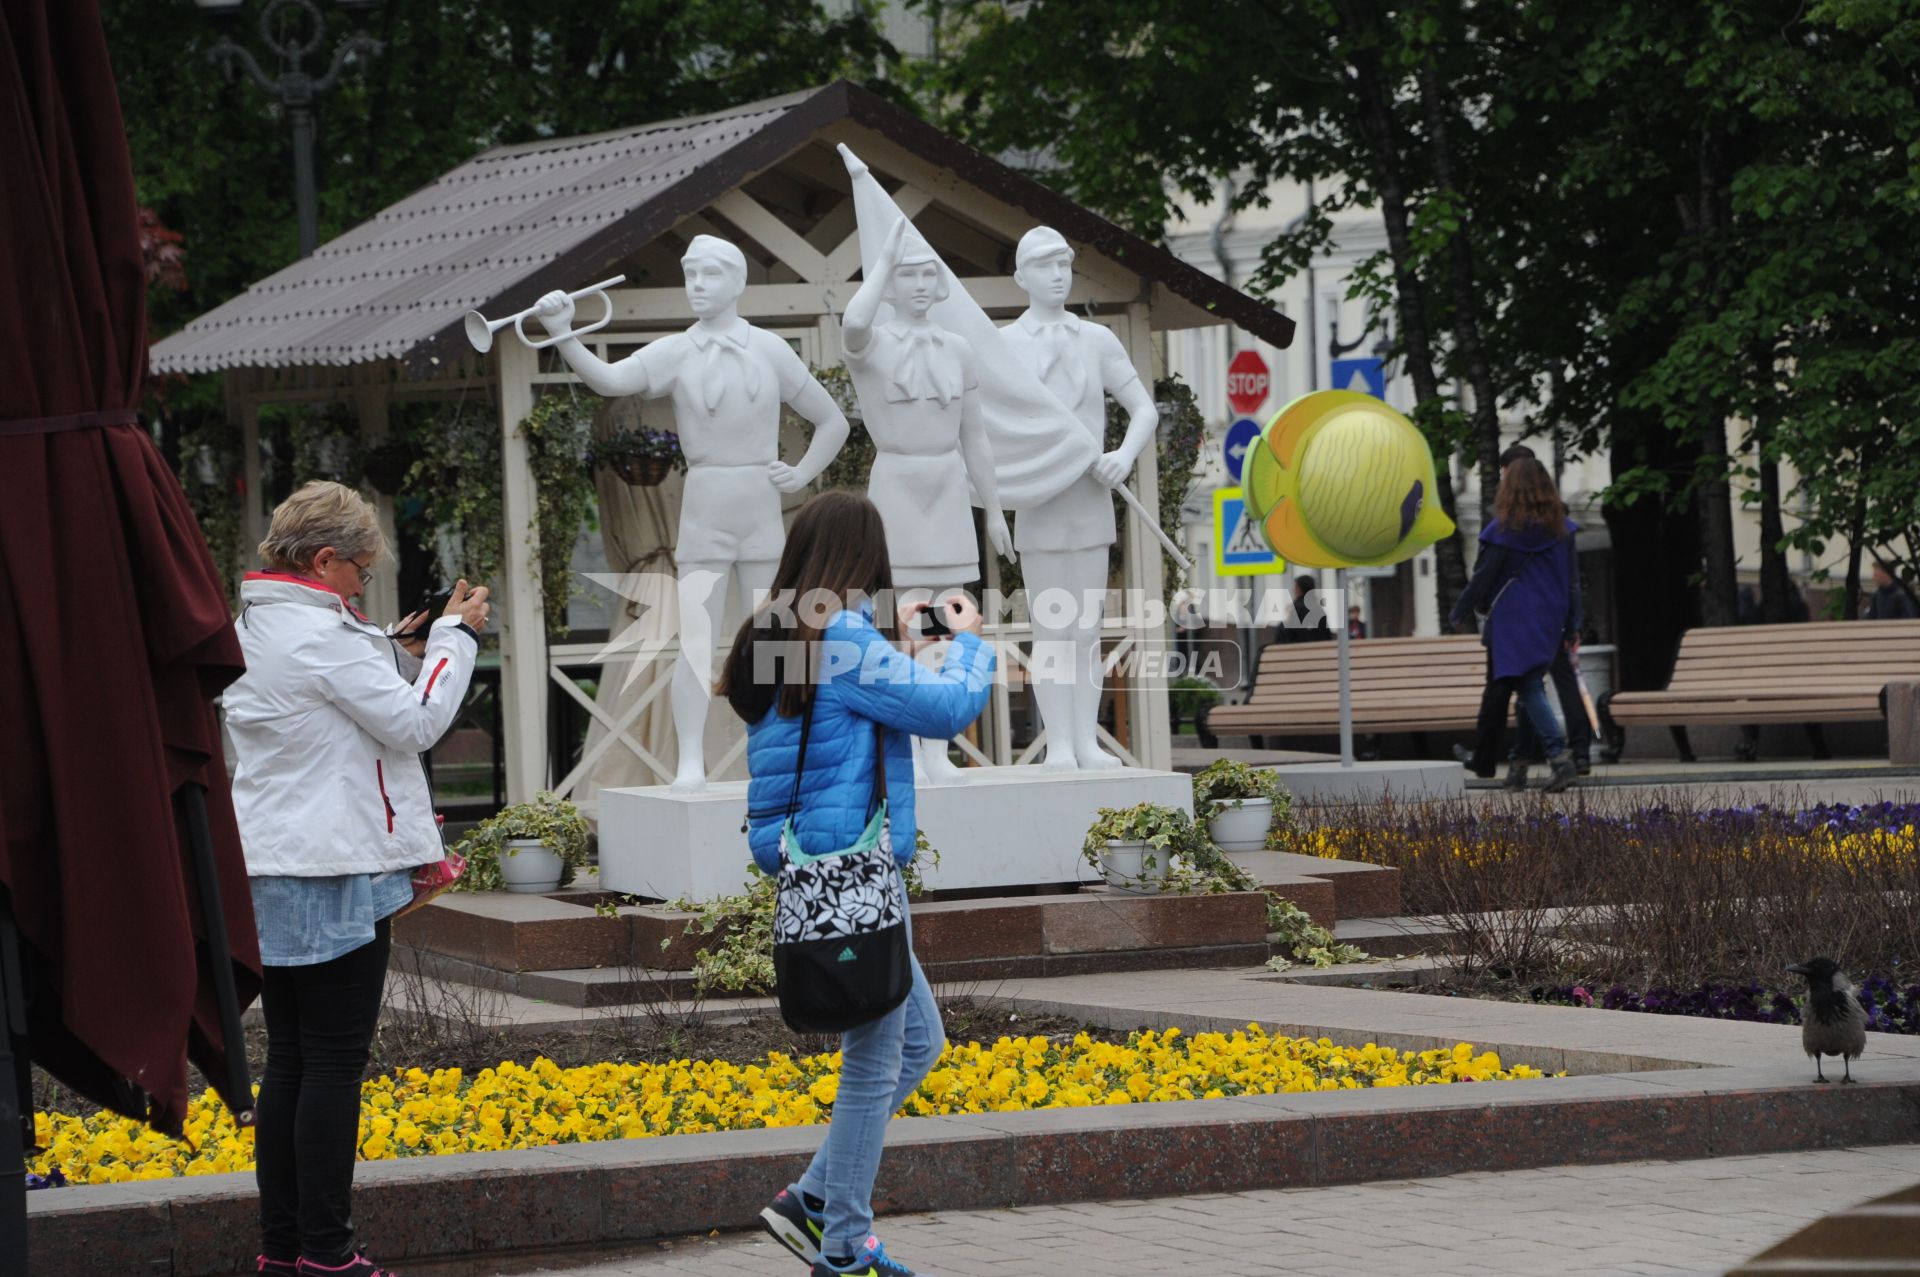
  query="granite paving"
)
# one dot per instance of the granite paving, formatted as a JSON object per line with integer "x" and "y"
{"x": 1694, "y": 1218}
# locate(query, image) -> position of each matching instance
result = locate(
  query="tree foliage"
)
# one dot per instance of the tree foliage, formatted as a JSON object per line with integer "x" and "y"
{"x": 214, "y": 161}
{"x": 1675, "y": 235}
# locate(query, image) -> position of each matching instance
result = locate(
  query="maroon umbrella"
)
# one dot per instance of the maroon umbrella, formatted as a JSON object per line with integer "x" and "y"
{"x": 114, "y": 630}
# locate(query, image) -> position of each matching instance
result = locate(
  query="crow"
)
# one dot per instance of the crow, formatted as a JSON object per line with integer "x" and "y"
{"x": 1835, "y": 1023}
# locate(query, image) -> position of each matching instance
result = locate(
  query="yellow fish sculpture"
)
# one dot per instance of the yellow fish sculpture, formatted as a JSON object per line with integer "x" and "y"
{"x": 1340, "y": 480}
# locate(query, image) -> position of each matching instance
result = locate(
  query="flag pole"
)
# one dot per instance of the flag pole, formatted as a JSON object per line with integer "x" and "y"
{"x": 1153, "y": 526}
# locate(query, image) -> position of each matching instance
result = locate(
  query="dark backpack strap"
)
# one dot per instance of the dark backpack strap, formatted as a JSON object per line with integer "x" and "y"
{"x": 879, "y": 767}
{"x": 800, "y": 763}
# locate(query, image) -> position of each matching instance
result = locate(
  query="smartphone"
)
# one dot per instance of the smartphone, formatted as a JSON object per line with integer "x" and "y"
{"x": 932, "y": 623}
{"x": 435, "y": 606}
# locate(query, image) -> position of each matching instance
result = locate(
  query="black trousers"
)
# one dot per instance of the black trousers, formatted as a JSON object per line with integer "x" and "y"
{"x": 320, "y": 1022}
{"x": 1574, "y": 710}
{"x": 1490, "y": 731}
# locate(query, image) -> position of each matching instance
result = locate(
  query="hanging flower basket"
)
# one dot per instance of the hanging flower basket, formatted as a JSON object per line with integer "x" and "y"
{"x": 643, "y": 458}
{"x": 643, "y": 472}
{"x": 386, "y": 468}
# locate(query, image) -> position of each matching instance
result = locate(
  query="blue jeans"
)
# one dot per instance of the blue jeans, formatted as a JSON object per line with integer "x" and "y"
{"x": 1538, "y": 714}
{"x": 1531, "y": 688}
{"x": 881, "y": 1064}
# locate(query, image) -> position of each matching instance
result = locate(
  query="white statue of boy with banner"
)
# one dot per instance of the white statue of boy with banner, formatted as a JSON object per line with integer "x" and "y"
{"x": 727, "y": 380}
{"x": 1063, "y": 543}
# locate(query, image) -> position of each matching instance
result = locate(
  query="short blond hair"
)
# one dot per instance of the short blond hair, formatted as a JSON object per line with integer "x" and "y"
{"x": 320, "y": 514}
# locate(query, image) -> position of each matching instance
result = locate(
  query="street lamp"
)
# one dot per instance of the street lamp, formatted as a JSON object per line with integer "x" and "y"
{"x": 293, "y": 88}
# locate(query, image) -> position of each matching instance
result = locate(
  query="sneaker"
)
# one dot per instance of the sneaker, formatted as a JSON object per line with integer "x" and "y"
{"x": 1564, "y": 775}
{"x": 276, "y": 1267}
{"x": 872, "y": 1261}
{"x": 1516, "y": 777}
{"x": 356, "y": 1266}
{"x": 795, "y": 1224}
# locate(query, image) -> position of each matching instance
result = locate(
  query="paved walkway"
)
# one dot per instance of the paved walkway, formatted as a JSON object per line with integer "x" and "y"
{"x": 1693, "y": 1218}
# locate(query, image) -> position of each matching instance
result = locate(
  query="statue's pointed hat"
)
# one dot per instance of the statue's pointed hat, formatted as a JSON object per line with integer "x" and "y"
{"x": 1039, "y": 447}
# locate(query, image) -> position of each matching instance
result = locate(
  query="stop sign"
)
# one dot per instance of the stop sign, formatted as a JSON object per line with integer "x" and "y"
{"x": 1247, "y": 382}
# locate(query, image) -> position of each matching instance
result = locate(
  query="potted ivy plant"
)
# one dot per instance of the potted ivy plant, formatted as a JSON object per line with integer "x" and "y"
{"x": 1134, "y": 847}
{"x": 642, "y": 457}
{"x": 527, "y": 847}
{"x": 1238, "y": 805}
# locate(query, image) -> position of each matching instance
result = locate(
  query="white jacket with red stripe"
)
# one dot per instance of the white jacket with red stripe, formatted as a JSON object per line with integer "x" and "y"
{"x": 328, "y": 724}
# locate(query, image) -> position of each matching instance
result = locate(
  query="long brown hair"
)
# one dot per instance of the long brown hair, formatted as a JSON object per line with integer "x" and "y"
{"x": 1527, "y": 499}
{"x": 837, "y": 544}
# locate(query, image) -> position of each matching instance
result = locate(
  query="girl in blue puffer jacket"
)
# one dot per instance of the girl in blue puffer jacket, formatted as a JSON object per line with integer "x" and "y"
{"x": 817, "y": 637}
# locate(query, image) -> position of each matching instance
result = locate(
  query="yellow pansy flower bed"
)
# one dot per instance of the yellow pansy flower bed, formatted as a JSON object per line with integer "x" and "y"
{"x": 416, "y": 1113}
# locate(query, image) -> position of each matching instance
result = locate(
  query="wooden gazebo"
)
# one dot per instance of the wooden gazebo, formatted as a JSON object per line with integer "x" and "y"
{"x": 374, "y": 318}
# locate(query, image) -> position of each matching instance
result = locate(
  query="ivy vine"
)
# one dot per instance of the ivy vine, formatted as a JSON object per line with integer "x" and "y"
{"x": 558, "y": 431}
{"x": 211, "y": 474}
{"x": 854, "y": 462}
{"x": 462, "y": 485}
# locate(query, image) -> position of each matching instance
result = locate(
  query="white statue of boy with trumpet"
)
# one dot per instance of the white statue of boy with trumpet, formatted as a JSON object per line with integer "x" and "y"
{"x": 728, "y": 380}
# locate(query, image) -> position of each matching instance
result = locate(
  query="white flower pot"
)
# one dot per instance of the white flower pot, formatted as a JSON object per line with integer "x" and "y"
{"x": 529, "y": 868}
{"x": 1242, "y": 828}
{"x": 1125, "y": 868}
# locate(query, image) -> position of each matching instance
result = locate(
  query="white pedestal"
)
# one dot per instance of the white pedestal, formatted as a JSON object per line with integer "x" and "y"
{"x": 1002, "y": 827}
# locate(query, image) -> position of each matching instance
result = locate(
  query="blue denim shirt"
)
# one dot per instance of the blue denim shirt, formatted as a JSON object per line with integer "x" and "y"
{"x": 303, "y": 921}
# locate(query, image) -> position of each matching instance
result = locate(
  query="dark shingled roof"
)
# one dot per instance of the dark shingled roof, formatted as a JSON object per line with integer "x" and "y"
{"x": 489, "y": 235}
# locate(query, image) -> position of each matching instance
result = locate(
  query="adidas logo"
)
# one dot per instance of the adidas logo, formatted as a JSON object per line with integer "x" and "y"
{"x": 848, "y": 955}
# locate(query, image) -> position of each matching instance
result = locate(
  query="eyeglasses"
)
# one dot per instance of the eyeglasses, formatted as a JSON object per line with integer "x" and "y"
{"x": 366, "y": 572}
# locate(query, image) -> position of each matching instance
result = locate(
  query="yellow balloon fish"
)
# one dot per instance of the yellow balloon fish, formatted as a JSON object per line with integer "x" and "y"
{"x": 1340, "y": 480}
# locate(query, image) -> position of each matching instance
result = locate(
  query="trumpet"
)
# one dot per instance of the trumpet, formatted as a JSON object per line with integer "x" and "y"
{"x": 480, "y": 329}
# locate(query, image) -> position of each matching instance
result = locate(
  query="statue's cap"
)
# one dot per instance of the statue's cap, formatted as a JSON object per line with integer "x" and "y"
{"x": 914, "y": 248}
{"x": 709, "y": 246}
{"x": 1041, "y": 241}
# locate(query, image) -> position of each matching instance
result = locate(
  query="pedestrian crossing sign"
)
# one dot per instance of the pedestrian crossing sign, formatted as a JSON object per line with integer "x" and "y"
{"x": 1239, "y": 546}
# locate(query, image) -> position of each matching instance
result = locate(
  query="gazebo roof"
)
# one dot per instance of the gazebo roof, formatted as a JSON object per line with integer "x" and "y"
{"x": 493, "y": 233}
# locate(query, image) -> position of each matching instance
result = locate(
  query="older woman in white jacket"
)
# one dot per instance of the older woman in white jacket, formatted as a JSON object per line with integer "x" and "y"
{"x": 335, "y": 813}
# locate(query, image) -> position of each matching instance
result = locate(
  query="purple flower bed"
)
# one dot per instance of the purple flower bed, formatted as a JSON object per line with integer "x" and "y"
{"x": 1835, "y": 818}
{"x": 1890, "y": 1008}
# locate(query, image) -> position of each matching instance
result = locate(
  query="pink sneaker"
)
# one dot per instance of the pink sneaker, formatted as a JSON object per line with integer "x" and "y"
{"x": 358, "y": 1266}
{"x": 276, "y": 1267}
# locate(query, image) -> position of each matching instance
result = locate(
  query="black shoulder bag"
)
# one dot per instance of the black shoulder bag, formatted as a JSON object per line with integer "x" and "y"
{"x": 841, "y": 957}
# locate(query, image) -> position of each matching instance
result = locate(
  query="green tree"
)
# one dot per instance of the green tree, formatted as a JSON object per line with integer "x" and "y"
{"x": 1134, "y": 105}
{"x": 212, "y": 159}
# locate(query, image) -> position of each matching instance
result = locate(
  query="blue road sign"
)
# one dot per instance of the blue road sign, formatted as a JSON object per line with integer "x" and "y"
{"x": 1239, "y": 546}
{"x": 1241, "y": 436}
{"x": 1370, "y": 373}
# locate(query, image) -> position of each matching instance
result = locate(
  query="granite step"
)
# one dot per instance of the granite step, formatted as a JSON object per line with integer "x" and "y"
{"x": 1094, "y": 929}
{"x": 1359, "y": 890}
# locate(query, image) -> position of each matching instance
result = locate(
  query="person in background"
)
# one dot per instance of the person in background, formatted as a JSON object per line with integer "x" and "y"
{"x": 1525, "y": 583}
{"x": 1299, "y": 631}
{"x": 1566, "y": 683}
{"x": 1889, "y": 600}
{"x": 335, "y": 811}
{"x": 855, "y": 677}
{"x": 1356, "y": 628}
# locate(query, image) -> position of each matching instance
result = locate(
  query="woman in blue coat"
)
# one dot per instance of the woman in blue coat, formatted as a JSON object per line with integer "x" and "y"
{"x": 1526, "y": 584}
{"x": 817, "y": 638}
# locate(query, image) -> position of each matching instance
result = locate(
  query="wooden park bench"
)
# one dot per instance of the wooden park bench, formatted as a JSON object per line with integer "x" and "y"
{"x": 1815, "y": 673}
{"x": 1412, "y": 685}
